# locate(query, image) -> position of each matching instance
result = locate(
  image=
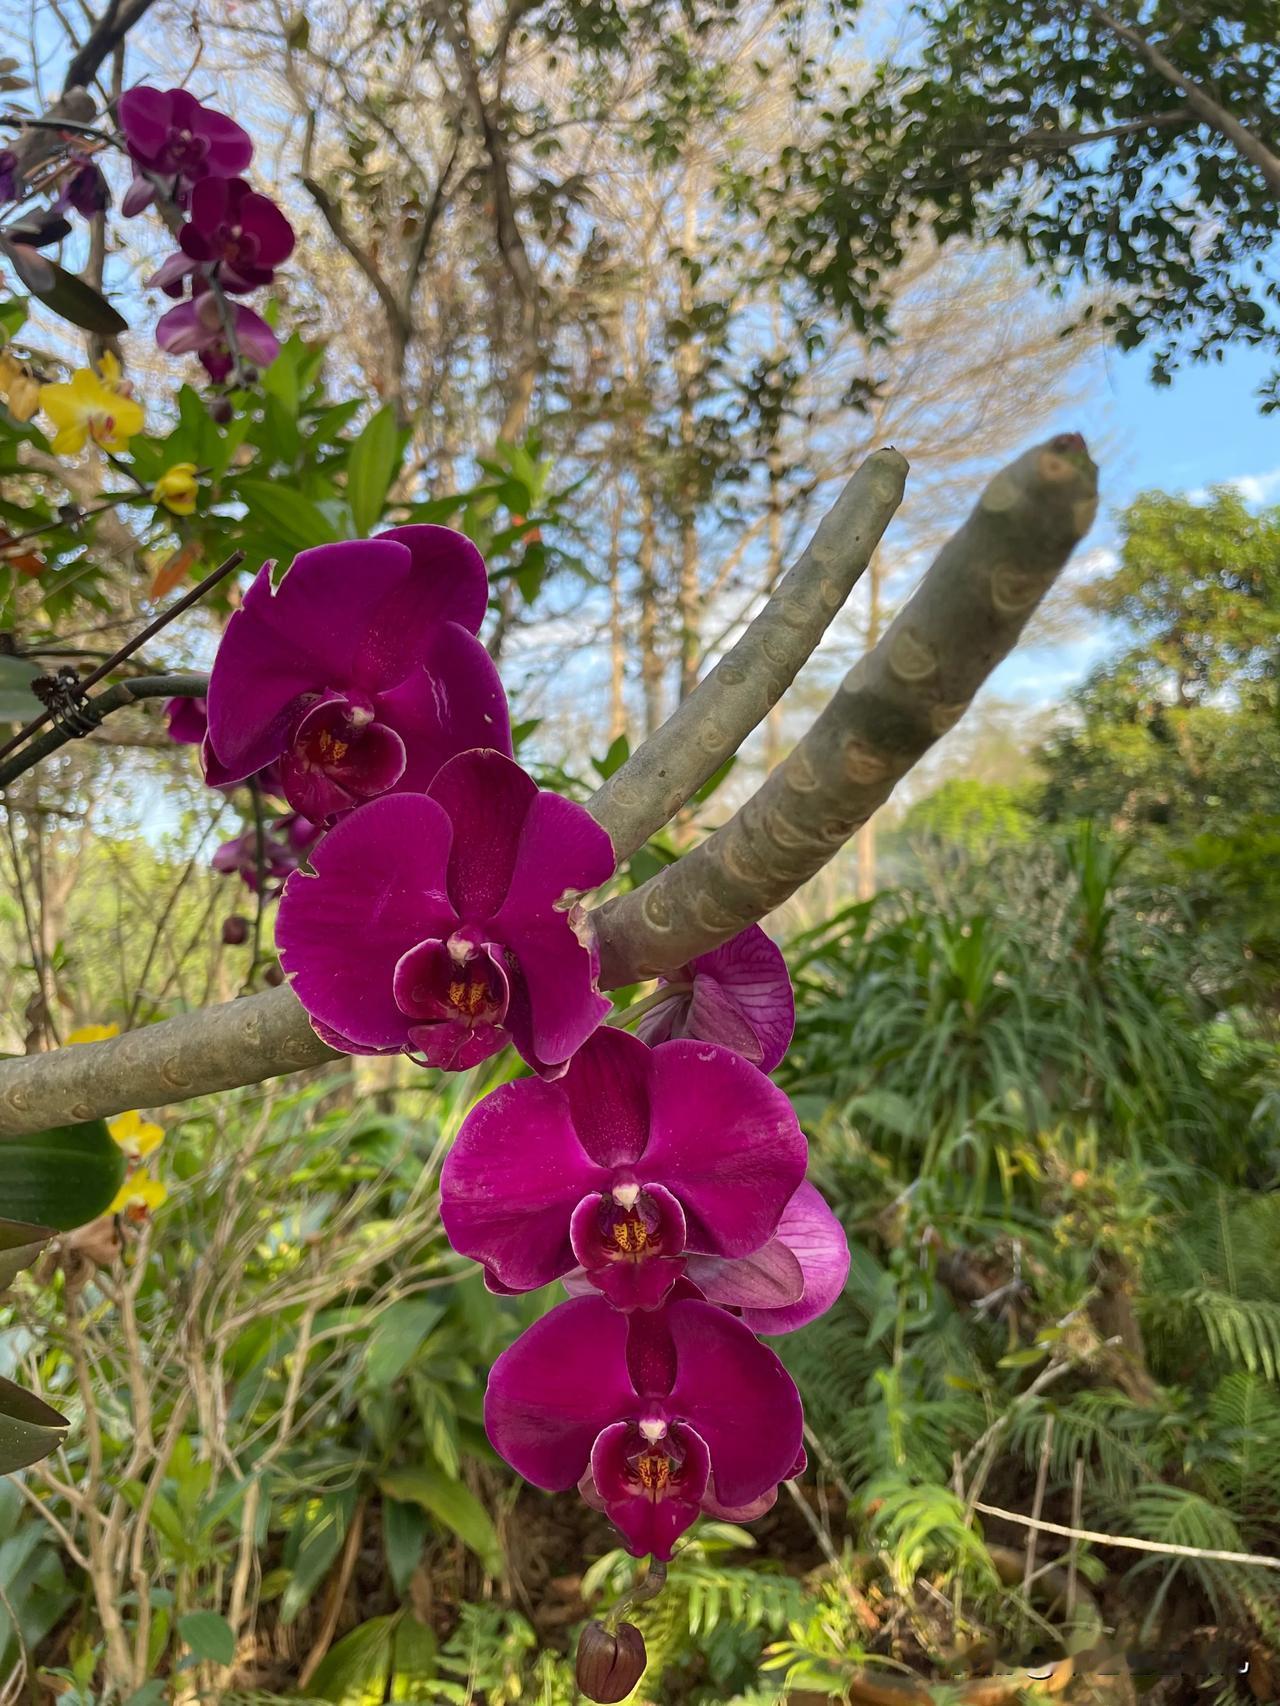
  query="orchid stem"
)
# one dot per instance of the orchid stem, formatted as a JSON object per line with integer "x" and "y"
{"x": 130, "y": 646}
{"x": 649, "y": 1586}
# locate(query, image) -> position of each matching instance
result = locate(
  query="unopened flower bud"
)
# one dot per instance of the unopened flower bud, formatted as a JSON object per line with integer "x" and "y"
{"x": 235, "y": 930}
{"x": 274, "y": 976}
{"x": 610, "y": 1663}
{"x": 220, "y": 410}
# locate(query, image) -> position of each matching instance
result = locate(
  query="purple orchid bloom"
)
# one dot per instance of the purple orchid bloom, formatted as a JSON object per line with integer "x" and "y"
{"x": 172, "y": 135}
{"x": 188, "y": 723}
{"x": 196, "y": 327}
{"x": 360, "y": 673}
{"x": 232, "y": 232}
{"x": 444, "y": 925}
{"x": 809, "y": 1245}
{"x": 188, "y": 720}
{"x": 657, "y": 1414}
{"x": 286, "y": 842}
{"x": 739, "y": 995}
{"x": 85, "y": 191}
{"x": 632, "y": 1159}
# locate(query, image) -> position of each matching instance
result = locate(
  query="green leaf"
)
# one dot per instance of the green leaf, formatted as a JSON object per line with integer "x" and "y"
{"x": 355, "y": 1671}
{"x": 18, "y": 704}
{"x": 20, "y": 1244}
{"x": 888, "y": 1109}
{"x": 371, "y": 467}
{"x": 150, "y": 1694}
{"x": 404, "y": 1529}
{"x": 413, "y": 1661}
{"x": 617, "y": 755}
{"x": 312, "y": 1546}
{"x": 63, "y": 1177}
{"x": 72, "y": 299}
{"x": 1023, "y": 1358}
{"x": 291, "y": 521}
{"x": 13, "y": 316}
{"x": 209, "y": 1636}
{"x": 397, "y": 1334}
{"x": 29, "y": 1428}
{"x": 453, "y": 1506}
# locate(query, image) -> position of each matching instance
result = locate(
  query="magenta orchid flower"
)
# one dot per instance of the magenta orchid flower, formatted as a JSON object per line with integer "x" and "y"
{"x": 633, "y": 1158}
{"x": 739, "y": 994}
{"x": 232, "y": 232}
{"x": 172, "y": 135}
{"x": 360, "y": 673}
{"x": 658, "y": 1414}
{"x": 444, "y": 925}
{"x": 196, "y": 327}
{"x": 808, "y": 1257}
{"x": 188, "y": 720}
{"x": 286, "y": 842}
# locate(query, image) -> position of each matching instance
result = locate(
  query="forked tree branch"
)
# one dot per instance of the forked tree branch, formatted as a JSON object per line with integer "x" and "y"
{"x": 962, "y": 621}
{"x": 712, "y": 723}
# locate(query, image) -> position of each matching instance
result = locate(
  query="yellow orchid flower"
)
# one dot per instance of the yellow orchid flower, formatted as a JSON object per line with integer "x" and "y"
{"x": 92, "y": 405}
{"x": 94, "y": 1034}
{"x": 139, "y": 1196}
{"x": 177, "y": 488}
{"x": 136, "y": 1136}
{"x": 20, "y": 390}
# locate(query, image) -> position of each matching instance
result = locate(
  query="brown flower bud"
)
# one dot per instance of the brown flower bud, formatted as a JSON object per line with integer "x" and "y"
{"x": 235, "y": 930}
{"x": 220, "y": 410}
{"x": 274, "y": 975}
{"x": 610, "y": 1663}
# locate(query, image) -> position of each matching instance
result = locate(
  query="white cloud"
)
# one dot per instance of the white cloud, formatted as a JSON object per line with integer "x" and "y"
{"x": 1253, "y": 488}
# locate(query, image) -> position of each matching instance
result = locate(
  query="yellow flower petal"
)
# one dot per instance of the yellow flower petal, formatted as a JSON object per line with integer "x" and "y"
{"x": 94, "y": 1034}
{"x": 136, "y": 1136}
{"x": 177, "y": 488}
{"x": 139, "y": 1196}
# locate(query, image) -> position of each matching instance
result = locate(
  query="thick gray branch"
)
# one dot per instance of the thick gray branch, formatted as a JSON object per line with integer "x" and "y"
{"x": 964, "y": 618}
{"x": 712, "y": 723}
{"x": 217, "y": 1048}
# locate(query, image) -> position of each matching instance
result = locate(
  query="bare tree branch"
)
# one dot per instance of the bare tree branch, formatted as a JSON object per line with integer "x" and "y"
{"x": 918, "y": 681}
{"x": 712, "y": 723}
{"x": 1201, "y": 102}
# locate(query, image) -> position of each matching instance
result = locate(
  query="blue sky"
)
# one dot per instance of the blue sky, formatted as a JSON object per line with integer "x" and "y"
{"x": 1205, "y": 429}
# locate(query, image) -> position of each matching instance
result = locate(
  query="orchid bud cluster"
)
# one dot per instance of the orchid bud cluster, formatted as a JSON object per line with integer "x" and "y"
{"x": 231, "y": 238}
{"x": 659, "y": 1174}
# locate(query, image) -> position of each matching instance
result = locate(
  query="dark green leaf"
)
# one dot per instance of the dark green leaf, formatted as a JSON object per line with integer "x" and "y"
{"x": 74, "y": 300}
{"x": 291, "y": 522}
{"x": 209, "y": 1636}
{"x": 29, "y": 1428}
{"x": 18, "y": 704}
{"x": 20, "y": 1244}
{"x": 355, "y": 1671}
{"x": 371, "y": 467}
{"x": 453, "y": 1506}
{"x": 63, "y": 1177}
{"x": 396, "y": 1336}
{"x": 404, "y": 1529}
{"x": 413, "y": 1661}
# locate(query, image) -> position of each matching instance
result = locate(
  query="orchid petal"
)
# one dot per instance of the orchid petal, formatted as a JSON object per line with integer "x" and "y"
{"x": 552, "y": 1391}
